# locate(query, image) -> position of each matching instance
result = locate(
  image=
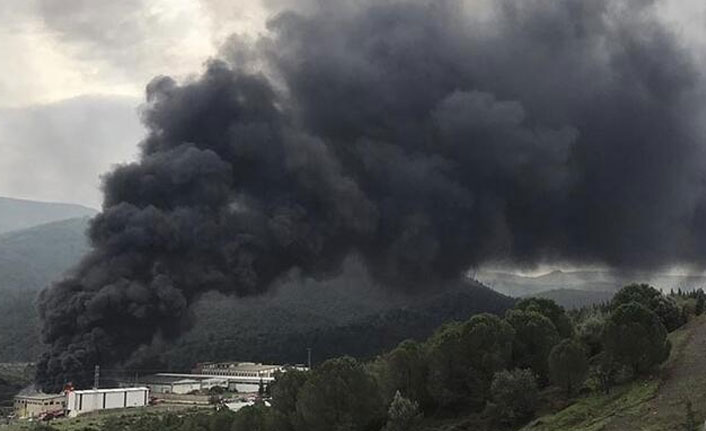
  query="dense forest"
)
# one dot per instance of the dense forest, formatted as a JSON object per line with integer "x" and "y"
{"x": 330, "y": 320}
{"x": 487, "y": 370}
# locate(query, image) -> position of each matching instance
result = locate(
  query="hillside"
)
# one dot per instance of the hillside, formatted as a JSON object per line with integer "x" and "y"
{"x": 575, "y": 298}
{"x": 280, "y": 329}
{"x": 601, "y": 281}
{"x": 31, "y": 258}
{"x": 652, "y": 404}
{"x": 331, "y": 316}
{"x": 17, "y": 214}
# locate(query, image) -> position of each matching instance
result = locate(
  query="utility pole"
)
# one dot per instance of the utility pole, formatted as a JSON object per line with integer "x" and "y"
{"x": 308, "y": 354}
{"x": 96, "y": 376}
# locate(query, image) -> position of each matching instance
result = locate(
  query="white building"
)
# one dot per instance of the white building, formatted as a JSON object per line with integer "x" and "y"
{"x": 79, "y": 402}
{"x": 166, "y": 384}
{"x": 238, "y": 369}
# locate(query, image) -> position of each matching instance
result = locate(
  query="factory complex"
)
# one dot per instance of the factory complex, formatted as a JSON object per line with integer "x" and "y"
{"x": 194, "y": 388}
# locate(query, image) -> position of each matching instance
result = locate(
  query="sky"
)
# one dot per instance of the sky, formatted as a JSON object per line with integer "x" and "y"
{"x": 74, "y": 74}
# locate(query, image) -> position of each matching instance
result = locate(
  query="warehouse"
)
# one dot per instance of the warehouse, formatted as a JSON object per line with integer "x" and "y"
{"x": 238, "y": 369}
{"x": 38, "y": 404}
{"x": 161, "y": 384}
{"x": 79, "y": 402}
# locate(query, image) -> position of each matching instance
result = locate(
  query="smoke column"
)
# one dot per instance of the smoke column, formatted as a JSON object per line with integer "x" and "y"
{"x": 424, "y": 136}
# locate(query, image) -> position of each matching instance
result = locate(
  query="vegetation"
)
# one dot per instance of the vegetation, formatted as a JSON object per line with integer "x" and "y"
{"x": 568, "y": 365}
{"x": 403, "y": 414}
{"x": 636, "y": 338}
{"x": 515, "y": 394}
{"x": 483, "y": 373}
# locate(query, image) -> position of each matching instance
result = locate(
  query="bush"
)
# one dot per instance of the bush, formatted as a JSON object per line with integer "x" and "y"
{"x": 515, "y": 394}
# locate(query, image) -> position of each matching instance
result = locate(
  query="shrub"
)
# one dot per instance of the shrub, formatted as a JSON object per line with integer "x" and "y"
{"x": 515, "y": 394}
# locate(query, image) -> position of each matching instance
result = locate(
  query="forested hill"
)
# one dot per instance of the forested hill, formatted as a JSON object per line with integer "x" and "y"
{"x": 32, "y": 258}
{"x": 17, "y": 214}
{"x": 333, "y": 322}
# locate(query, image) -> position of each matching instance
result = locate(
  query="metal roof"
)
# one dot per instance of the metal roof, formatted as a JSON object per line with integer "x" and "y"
{"x": 161, "y": 379}
{"x": 40, "y": 396}
{"x": 100, "y": 391}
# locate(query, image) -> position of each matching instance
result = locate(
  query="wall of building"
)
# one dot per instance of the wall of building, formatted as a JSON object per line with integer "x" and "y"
{"x": 86, "y": 401}
{"x": 185, "y": 387}
{"x": 28, "y": 407}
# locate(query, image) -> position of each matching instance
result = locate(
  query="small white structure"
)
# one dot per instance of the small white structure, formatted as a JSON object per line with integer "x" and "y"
{"x": 79, "y": 402}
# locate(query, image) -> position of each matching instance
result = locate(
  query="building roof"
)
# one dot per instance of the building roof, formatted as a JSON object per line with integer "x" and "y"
{"x": 111, "y": 390}
{"x": 238, "y": 379}
{"x": 161, "y": 379}
{"x": 39, "y": 396}
{"x": 240, "y": 366}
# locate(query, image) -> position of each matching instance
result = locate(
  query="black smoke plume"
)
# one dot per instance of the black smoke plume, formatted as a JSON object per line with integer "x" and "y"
{"x": 425, "y": 136}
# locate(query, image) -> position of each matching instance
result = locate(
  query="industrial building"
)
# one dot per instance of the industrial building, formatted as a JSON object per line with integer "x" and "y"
{"x": 39, "y": 404}
{"x": 165, "y": 384}
{"x": 79, "y": 402}
{"x": 238, "y": 369}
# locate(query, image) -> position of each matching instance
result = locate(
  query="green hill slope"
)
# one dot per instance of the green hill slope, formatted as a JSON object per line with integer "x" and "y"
{"x": 654, "y": 404}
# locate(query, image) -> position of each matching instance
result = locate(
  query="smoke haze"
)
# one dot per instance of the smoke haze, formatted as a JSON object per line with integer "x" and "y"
{"x": 426, "y": 137}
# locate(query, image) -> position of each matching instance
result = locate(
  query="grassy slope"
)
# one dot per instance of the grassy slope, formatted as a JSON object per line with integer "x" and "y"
{"x": 645, "y": 405}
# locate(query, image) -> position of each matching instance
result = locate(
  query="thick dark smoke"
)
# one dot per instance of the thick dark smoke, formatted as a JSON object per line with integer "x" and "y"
{"x": 422, "y": 135}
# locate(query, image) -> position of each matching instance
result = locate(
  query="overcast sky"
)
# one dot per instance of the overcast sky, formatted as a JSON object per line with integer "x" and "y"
{"x": 74, "y": 72}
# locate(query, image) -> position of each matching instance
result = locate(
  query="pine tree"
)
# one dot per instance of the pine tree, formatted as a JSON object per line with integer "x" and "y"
{"x": 403, "y": 414}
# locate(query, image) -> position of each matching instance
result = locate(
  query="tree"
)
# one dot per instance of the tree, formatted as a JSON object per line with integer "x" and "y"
{"x": 462, "y": 359}
{"x": 252, "y": 418}
{"x": 635, "y": 337}
{"x": 515, "y": 394}
{"x": 285, "y": 390}
{"x": 552, "y": 311}
{"x": 403, "y": 414}
{"x": 665, "y": 308}
{"x": 590, "y": 333}
{"x": 606, "y": 369}
{"x": 405, "y": 370}
{"x": 700, "y": 302}
{"x": 568, "y": 365}
{"x": 535, "y": 336}
{"x": 340, "y": 395}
